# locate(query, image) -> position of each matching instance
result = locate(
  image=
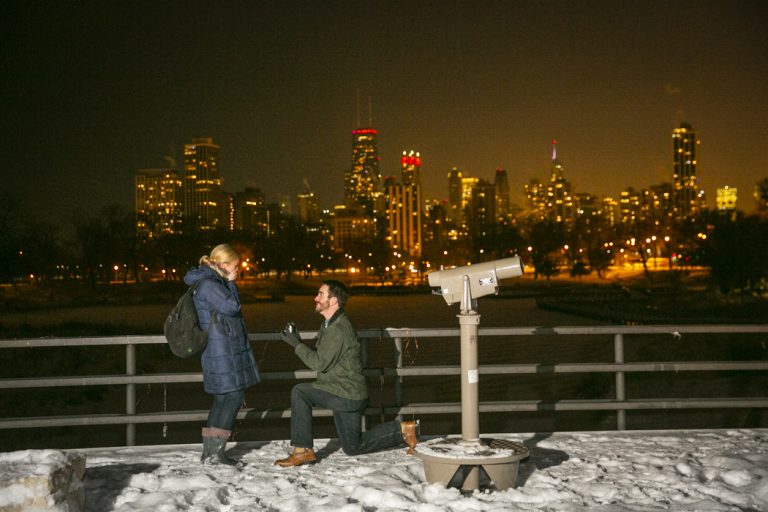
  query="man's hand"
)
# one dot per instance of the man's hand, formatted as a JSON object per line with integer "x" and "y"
{"x": 291, "y": 337}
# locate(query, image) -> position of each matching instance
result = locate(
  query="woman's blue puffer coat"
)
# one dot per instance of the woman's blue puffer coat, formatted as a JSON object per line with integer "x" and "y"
{"x": 227, "y": 361}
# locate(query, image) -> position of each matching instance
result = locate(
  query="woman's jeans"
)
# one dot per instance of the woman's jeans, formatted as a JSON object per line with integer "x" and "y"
{"x": 346, "y": 415}
{"x": 224, "y": 409}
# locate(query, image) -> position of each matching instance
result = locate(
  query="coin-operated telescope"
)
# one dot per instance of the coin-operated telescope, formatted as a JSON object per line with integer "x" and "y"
{"x": 463, "y": 458}
{"x": 482, "y": 279}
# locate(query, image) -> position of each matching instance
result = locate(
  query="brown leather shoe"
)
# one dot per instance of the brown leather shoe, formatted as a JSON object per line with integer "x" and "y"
{"x": 298, "y": 457}
{"x": 410, "y": 431}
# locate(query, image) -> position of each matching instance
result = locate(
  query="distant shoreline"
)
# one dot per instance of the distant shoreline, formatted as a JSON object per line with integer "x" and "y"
{"x": 666, "y": 298}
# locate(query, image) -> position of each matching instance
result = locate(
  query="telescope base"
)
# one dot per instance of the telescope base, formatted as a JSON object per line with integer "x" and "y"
{"x": 454, "y": 462}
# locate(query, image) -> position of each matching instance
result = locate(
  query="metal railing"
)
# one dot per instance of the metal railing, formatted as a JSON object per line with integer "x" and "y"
{"x": 621, "y": 403}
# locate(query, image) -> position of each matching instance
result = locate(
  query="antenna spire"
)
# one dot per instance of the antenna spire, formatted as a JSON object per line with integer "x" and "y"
{"x": 357, "y": 98}
{"x": 370, "y": 112}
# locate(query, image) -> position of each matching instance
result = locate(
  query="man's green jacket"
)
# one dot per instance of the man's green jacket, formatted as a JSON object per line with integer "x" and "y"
{"x": 336, "y": 359}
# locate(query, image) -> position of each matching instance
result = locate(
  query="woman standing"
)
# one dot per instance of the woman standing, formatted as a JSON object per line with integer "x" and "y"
{"x": 229, "y": 367}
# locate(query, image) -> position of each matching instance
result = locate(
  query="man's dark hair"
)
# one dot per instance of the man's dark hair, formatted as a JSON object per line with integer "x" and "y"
{"x": 338, "y": 290}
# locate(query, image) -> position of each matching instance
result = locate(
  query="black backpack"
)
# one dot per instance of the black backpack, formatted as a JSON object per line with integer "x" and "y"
{"x": 182, "y": 327}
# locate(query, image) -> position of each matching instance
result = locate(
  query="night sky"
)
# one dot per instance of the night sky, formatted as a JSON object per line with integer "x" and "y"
{"x": 94, "y": 90}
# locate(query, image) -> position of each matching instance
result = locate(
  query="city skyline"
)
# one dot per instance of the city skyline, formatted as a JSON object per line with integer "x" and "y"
{"x": 95, "y": 93}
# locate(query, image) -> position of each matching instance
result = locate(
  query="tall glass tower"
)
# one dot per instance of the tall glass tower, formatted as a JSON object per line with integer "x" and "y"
{"x": 404, "y": 206}
{"x": 158, "y": 203}
{"x": 559, "y": 192}
{"x": 362, "y": 182}
{"x": 687, "y": 200}
{"x": 501, "y": 183}
{"x": 205, "y": 207}
{"x": 455, "y": 207}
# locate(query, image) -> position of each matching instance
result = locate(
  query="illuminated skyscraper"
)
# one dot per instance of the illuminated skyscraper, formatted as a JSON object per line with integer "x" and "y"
{"x": 559, "y": 192}
{"x": 404, "y": 207}
{"x": 348, "y": 227}
{"x": 205, "y": 207}
{"x": 610, "y": 210}
{"x": 454, "y": 196}
{"x": 250, "y": 207}
{"x": 630, "y": 206}
{"x": 461, "y": 210}
{"x": 587, "y": 205}
{"x": 411, "y": 168}
{"x": 726, "y": 199}
{"x": 158, "y": 205}
{"x": 688, "y": 197}
{"x": 404, "y": 218}
{"x": 309, "y": 208}
{"x": 536, "y": 198}
{"x": 362, "y": 183}
{"x": 481, "y": 208}
{"x": 661, "y": 195}
{"x": 434, "y": 227}
{"x": 501, "y": 184}
{"x": 468, "y": 183}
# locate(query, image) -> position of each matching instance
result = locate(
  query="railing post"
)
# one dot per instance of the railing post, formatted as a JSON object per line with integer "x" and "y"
{"x": 130, "y": 394}
{"x": 399, "y": 366}
{"x": 364, "y": 358}
{"x": 618, "y": 348}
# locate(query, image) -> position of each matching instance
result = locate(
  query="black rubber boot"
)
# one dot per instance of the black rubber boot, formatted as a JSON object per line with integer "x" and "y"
{"x": 214, "y": 444}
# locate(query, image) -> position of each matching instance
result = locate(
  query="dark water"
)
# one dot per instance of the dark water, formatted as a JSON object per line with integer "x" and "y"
{"x": 365, "y": 311}
{"x": 415, "y": 311}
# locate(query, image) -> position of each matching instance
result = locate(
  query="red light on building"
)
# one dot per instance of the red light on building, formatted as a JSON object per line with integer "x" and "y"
{"x": 410, "y": 160}
{"x": 364, "y": 131}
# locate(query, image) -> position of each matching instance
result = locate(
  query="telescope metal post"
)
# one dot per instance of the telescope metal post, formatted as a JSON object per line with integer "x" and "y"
{"x": 469, "y": 319}
{"x": 470, "y": 410}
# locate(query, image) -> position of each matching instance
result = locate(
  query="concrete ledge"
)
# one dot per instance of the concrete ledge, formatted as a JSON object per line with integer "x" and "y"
{"x": 42, "y": 481}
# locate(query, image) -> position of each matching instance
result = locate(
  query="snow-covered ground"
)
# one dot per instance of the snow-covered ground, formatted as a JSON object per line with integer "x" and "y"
{"x": 702, "y": 470}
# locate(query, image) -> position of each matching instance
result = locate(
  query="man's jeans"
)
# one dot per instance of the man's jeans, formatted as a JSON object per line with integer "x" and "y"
{"x": 346, "y": 415}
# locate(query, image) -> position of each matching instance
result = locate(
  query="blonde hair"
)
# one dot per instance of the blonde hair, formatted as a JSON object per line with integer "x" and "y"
{"x": 222, "y": 254}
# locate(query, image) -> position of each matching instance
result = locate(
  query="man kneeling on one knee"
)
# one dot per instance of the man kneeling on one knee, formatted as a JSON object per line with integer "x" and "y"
{"x": 340, "y": 386}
